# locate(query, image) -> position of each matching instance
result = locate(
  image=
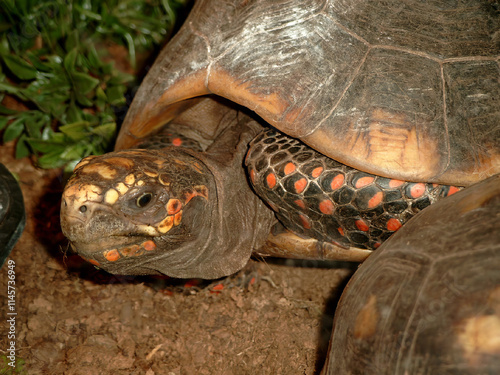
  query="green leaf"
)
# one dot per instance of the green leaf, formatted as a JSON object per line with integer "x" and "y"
{"x": 38, "y": 64}
{"x": 51, "y": 160}
{"x": 73, "y": 114}
{"x": 70, "y": 60}
{"x": 11, "y": 89}
{"x": 22, "y": 149}
{"x": 106, "y": 131}
{"x": 21, "y": 68}
{"x": 82, "y": 99}
{"x": 14, "y": 130}
{"x": 76, "y": 131}
{"x": 120, "y": 78}
{"x": 73, "y": 152}
{"x": 7, "y": 111}
{"x": 93, "y": 57}
{"x": 131, "y": 48}
{"x": 45, "y": 146}
{"x": 83, "y": 83}
{"x": 115, "y": 95}
{"x": 3, "y": 121}
{"x": 72, "y": 41}
{"x": 36, "y": 122}
{"x": 4, "y": 45}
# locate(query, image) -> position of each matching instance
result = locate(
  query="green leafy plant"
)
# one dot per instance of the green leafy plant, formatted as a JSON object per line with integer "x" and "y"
{"x": 6, "y": 369}
{"x": 55, "y": 62}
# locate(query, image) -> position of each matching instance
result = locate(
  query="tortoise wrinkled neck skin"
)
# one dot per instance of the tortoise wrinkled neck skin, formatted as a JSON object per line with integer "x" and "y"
{"x": 122, "y": 206}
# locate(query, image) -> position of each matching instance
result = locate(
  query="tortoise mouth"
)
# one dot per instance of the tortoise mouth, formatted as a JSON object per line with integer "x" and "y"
{"x": 101, "y": 252}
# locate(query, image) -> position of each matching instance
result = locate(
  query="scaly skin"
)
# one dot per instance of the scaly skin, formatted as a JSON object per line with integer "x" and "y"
{"x": 319, "y": 198}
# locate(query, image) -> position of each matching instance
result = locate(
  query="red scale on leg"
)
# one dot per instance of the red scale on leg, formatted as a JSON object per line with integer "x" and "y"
{"x": 271, "y": 180}
{"x": 337, "y": 181}
{"x": 289, "y": 168}
{"x": 393, "y": 224}
{"x": 417, "y": 190}
{"x": 326, "y": 206}
{"x": 376, "y": 200}
{"x": 300, "y": 203}
{"x": 300, "y": 185}
{"x": 315, "y": 189}
{"x": 362, "y": 225}
{"x": 306, "y": 223}
{"x": 252, "y": 176}
{"x": 363, "y": 181}
{"x": 317, "y": 172}
{"x": 452, "y": 190}
{"x": 395, "y": 183}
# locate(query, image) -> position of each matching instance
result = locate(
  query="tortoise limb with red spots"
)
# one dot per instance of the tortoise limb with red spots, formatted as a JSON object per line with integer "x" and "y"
{"x": 397, "y": 104}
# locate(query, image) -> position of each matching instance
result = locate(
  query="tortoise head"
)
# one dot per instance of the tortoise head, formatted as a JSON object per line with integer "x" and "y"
{"x": 119, "y": 209}
{"x": 172, "y": 211}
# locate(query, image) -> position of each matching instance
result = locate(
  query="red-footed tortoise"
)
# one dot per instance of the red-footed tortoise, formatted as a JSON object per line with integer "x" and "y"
{"x": 397, "y": 103}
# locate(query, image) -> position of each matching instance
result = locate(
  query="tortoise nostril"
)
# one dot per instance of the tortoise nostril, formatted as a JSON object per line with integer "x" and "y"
{"x": 83, "y": 209}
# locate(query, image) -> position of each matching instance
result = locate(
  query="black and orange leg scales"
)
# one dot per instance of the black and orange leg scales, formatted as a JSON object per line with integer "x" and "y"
{"x": 319, "y": 198}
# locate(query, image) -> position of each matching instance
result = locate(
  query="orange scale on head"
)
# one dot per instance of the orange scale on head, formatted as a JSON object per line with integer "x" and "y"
{"x": 149, "y": 245}
{"x": 112, "y": 255}
{"x": 93, "y": 262}
{"x": 131, "y": 251}
{"x": 341, "y": 231}
{"x": 177, "y": 142}
{"x": 173, "y": 206}
{"x": 177, "y": 218}
{"x": 165, "y": 225}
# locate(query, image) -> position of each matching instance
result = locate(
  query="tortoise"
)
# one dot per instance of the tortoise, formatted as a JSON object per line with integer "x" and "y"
{"x": 427, "y": 301}
{"x": 12, "y": 213}
{"x": 390, "y": 107}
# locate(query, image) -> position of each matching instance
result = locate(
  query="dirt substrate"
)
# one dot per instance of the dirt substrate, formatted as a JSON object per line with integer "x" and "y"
{"x": 75, "y": 319}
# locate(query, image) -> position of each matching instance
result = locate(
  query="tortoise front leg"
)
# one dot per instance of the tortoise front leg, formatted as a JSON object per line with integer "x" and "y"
{"x": 285, "y": 244}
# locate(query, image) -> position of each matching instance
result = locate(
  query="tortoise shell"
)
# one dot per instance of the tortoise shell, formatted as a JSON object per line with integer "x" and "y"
{"x": 428, "y": 301}
{"x": 404, "y": 90}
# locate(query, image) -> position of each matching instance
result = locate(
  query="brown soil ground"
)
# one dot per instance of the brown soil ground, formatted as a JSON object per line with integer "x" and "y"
{"x": 75, "y": 319}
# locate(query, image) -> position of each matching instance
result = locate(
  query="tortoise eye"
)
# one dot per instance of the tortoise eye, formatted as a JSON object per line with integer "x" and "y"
{"x": 144, "y": 200}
